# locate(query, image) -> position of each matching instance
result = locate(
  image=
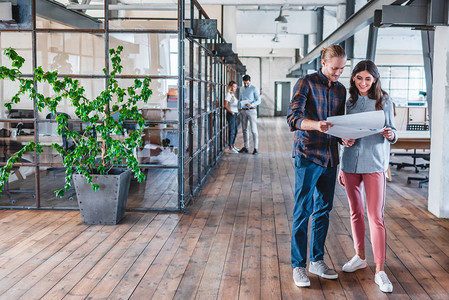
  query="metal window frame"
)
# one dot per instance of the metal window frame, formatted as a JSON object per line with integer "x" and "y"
{"x": 215, "y": 75}
{"x": 408, "y": 77}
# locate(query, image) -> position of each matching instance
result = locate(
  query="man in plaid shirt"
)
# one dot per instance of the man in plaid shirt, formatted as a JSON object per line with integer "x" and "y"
{"x": 316, "y": 97}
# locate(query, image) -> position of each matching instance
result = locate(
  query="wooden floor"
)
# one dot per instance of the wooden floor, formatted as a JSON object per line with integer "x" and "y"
{"x": 234, "y": 243}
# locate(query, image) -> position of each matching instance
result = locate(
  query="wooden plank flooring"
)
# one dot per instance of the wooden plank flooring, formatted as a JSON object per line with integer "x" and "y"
{"x": 233, "y": 243}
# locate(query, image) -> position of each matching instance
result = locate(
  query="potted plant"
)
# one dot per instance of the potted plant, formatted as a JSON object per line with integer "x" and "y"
{"x": 103, "y": 153}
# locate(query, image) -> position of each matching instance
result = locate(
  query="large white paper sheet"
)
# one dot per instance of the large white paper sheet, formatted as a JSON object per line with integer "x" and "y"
{"x": 355, "y": 126}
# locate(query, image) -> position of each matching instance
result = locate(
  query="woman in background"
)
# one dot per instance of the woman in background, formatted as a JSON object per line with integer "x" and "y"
{"x": 232, "y": 110}
{"x": 364, "y": 163}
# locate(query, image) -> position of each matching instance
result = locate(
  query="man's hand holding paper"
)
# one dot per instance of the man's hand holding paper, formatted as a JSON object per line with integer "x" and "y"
{"x": 245, "y": 103}
{"x": 355, "y": 126}
{"x": 323, "y": 126}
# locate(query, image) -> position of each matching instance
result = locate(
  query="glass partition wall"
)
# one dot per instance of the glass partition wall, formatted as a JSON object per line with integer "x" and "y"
{"x": 185, "y": 131}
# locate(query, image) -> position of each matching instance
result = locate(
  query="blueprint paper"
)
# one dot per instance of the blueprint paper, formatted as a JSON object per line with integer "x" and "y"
{"x": 355, "y": 126}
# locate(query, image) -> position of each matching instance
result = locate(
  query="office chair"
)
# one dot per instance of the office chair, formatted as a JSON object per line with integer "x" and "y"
{"x": 414, "y": 155}
{"x": 20, "y": 126}
{"x": 11, "y": 146}
{"x": 421, "y": 180}
{"x": 68, "y": 146}
{"x": 130, "y": 125}
{"x": 7, "y": 147}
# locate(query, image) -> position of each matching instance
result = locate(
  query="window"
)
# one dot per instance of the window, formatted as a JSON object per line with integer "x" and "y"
{"x": 405, "y": 84}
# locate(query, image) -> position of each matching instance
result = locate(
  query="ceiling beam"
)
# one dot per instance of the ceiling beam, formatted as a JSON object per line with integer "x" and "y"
{"x": 356, "y": 22}
{"x": 419, "y": 14}
{"x": 253, "y": 2}
{"x": 122, "y": 7}
{"x": 274, "y": 2}
{"x": 401, "y": 16}
{"x": 170, "y": 6}
{"x": 55, "y": 11}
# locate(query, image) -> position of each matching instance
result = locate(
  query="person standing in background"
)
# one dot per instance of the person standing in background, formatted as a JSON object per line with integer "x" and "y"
{"x": 249, "y": 100}
{"x": 316, "y": 97}
{"x": 232, "y": 110}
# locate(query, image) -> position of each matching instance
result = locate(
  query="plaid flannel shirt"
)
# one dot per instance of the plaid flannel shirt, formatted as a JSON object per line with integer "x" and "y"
{"x": 313, "y": 99}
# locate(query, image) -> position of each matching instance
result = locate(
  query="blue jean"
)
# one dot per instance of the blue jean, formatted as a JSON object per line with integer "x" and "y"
{"x": 314, "y": 195}
{"x": 232, "y": 120}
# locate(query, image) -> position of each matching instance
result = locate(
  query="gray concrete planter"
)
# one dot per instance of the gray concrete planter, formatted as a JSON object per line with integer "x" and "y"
{"x": 106, "y": 206}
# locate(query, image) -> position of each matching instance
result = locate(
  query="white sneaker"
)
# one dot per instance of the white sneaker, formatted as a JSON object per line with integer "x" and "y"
{"x": 383, "y": 282}
{"x": 321, "y": 269}
{"x": 354, "y": 264}
{"x": 233, "y": 150}
{"x": 300, "y": 277}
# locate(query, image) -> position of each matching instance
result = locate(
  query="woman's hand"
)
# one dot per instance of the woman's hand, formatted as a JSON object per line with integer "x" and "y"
{"x": 388, "y": 133}
{"x": 348, "y": 142}
{"x": 341, "y": 179}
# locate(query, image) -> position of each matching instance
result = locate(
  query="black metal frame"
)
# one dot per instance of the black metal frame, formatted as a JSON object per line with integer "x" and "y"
{"x": 210, "y": 122}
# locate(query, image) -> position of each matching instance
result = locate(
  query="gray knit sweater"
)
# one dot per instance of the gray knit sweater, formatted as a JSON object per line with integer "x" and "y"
{"x": 370, "y": 154}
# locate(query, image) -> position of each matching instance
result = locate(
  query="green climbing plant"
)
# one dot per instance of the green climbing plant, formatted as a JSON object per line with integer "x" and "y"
{"x": 102, "y": 145}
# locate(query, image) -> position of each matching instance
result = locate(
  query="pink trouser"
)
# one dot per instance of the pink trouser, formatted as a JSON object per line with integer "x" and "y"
{"x": 375, "y": 199}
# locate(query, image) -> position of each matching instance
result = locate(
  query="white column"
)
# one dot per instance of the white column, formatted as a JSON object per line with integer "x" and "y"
{"x": 230, "y": 26}
{"x": 438, "y": 202}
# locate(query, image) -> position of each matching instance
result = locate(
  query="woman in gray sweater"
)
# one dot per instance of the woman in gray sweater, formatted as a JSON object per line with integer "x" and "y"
{"x": 364, "y": 163}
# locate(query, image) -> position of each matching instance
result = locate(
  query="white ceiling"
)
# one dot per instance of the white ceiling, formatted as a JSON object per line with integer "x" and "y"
{"x": 250, "y": 24}
{"x": 262, "y": 22}
{"x": 256, "y": 27}
{"x": 253, "y": 25}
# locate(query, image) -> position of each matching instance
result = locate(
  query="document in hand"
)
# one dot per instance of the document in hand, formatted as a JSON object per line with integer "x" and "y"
{"x": 355, "y": 126}
{"x": 244, "y": 102}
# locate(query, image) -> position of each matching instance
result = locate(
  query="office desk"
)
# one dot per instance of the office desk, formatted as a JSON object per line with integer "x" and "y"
{"x": 410, "y": 140}
{"x": 23, "y": 139}
{"x": 47, "y": 140}
{"x": 10, "y": 145}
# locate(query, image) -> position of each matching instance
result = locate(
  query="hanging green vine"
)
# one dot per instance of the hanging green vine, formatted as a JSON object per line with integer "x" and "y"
{"x": 102, "y": 144}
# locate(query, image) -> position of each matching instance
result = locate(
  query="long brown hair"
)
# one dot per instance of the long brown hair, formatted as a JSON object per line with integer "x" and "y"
{"x": 375, "y": 92}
